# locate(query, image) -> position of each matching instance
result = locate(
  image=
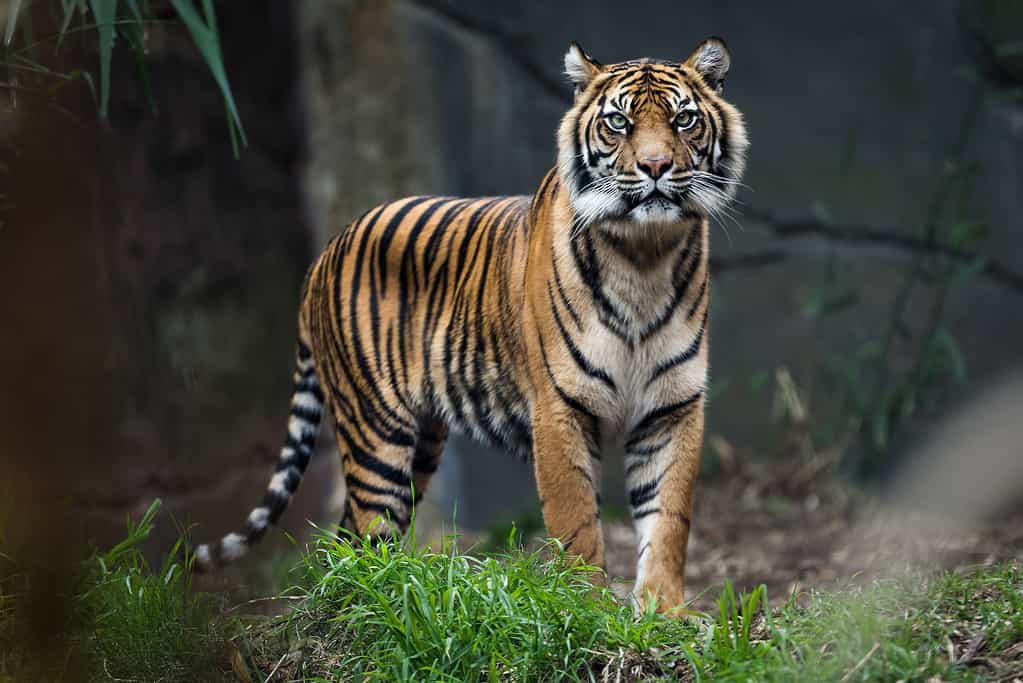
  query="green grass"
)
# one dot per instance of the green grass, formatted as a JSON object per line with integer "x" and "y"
{"x": 393, "y": 612}
{"x": 396, "y": 613}
{"x": 147, "y": 623}
{"x": 121, "y": 618}
{"x": 909, "y": 629}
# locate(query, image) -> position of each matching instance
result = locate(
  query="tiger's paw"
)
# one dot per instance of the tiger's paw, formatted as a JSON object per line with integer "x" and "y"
{"x": 669, "y": 602}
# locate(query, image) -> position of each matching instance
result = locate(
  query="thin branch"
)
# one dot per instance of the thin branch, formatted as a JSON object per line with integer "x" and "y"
{"x": 48, "y": 97}
{"x": 859, "y": 234}
{"x": 754, "y": 259}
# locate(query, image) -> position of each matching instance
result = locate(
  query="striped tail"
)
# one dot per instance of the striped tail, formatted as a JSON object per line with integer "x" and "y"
{"x": 303, "y": 426}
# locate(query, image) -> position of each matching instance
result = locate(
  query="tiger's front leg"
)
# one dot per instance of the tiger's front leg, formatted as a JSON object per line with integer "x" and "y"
{"x": 567, "y": 477}
{"x": 662, "y": 460}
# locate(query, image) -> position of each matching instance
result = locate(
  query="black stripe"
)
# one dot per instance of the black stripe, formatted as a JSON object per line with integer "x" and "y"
{"x": 564, "y": 297}
{"x": 580, "y": 360}
{"x": 276, "y": 502}
{"x": 378, "y": 467}
{"x": 310, "y": 415}
{"x": 699, "y": 296}
{"x": 385, "y": 511}
{"x": 387, "y": 236}
{"x": 402, "y": 494}
{"x": 683, "y": 357}
{"x": 642, "y": 495}
{"x": 647, "y": 451}
{"x": 692, "y": 253}
{"x": 585, "y": 258}
{"x": 572, "y": 402}
{"x": 652, "y": 420}
{"x": 294, "y": 477}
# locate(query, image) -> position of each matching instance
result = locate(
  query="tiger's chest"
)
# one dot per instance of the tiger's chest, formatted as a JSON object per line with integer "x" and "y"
{"x": 643, "y": 376}
{"x": 642, "y": 330}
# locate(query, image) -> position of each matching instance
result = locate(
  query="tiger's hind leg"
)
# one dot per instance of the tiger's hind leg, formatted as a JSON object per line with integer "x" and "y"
{"x": 384, "y": 477}
{"x": 432, "y": 437}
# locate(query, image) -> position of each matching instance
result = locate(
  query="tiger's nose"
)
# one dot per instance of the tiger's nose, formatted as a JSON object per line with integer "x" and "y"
{"x": 654, "y": 167}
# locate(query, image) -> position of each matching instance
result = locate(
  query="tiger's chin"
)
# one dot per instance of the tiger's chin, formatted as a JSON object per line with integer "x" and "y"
{"x": 657, "y": 210}
{"x": 650, "y": 229}
{"x": 656, "y": 217}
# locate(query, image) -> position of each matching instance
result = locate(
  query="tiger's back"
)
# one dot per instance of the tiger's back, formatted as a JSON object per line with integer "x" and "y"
{"x": 414, "y": 313}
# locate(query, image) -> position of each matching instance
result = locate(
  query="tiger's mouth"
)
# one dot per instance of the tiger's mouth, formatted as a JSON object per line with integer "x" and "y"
{"x": 654, "y": 200}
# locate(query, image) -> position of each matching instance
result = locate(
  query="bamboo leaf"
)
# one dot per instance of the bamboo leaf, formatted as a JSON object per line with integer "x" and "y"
{"x": 134, "y": 34}
{"x": 204, "y": 35}
{"x": 12, "y": 21}
{"x": 105, "y": 13}
{"x": 70, "y": 8}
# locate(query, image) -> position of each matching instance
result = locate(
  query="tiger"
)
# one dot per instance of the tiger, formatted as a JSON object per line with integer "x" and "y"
{"x": 561, "y": 326}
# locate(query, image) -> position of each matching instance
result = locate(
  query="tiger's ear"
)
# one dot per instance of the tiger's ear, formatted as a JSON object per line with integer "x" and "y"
{"x": 711, "y": 60}
{"x": 580, "y": 67}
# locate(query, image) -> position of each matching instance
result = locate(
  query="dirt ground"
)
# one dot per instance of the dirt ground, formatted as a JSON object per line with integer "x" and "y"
{"x": 794, "y": 526}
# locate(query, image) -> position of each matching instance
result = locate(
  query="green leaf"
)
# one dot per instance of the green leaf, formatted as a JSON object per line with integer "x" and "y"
{"x": 880, "y": 426}
{"x": 822, "y": 212}
{"x": 204, "y": 34}
{"x": 827, "y": 300}
{"x": 968, "y": 233}
{"x": 946, "y": 356}
{"x": 868, "y": 350}
{"x": 70, "y": 8}
{"x": 965, "y": 273}
{"x": 758, "y": 380}
{"x": 105, "y": 14}
{"x": 1014, "y": 49}
{"x": 717, "y": 387}
{"x": 134, "y": 34}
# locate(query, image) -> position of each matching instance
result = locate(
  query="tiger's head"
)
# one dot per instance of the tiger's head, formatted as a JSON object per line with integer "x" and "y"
{"x": 650, "y": 143}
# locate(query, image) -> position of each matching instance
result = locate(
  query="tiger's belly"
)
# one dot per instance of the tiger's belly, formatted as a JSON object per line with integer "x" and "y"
{"x": 482, "y": 398}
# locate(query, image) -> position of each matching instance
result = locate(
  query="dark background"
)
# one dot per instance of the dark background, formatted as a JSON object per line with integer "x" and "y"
{"x": 150, "y": 279}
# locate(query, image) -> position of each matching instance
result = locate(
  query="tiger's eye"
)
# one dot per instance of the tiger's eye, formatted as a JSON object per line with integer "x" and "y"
{"x": 685, "y": 120}
{"x": 616, "y": 121}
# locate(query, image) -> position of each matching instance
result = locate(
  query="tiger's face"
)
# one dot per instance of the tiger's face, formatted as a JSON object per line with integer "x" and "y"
{"x": 650, "y": 143}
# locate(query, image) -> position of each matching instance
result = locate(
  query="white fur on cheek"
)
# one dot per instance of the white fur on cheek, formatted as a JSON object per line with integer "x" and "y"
{"x": 593, "y": 205}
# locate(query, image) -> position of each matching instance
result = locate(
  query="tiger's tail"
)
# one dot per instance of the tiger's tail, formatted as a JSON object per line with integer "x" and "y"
{"x": 303, "y": 426}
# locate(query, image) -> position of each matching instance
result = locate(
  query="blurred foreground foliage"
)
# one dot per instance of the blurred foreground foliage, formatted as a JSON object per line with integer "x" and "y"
{"x": 123, "y": 618}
